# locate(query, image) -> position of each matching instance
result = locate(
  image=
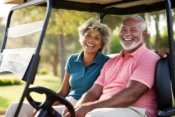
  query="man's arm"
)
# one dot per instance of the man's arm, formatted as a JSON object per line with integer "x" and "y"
{"x": 93, "y": 94}
{"x": 124, "y": 98}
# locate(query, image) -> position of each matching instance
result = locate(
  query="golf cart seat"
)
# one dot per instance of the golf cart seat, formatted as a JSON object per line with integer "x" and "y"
{"x": 164, "y": 90}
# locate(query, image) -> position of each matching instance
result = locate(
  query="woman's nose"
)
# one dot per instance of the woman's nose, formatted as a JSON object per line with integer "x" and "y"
{"x": 91, "y": 39}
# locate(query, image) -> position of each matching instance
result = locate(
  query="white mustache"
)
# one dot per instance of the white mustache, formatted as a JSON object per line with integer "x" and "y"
{"x": 127, "y": 38}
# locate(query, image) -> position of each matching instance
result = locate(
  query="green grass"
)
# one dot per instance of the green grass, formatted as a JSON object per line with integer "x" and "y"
{"x": 10, "y": 94}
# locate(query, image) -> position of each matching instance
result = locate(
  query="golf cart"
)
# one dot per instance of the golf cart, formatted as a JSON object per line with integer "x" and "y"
{"x": 165, "y": 69}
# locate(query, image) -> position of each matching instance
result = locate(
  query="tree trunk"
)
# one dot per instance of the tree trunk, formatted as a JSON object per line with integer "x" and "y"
{"x": 157, "y": 31}
{"x": 55, "y": 64}
{"x": 147, "y": 38}
{"x": 147, "y": 41}
{"x": 106, "y": 50}
{"x": 55, "y": 60}
{"x": 62, "y": 54}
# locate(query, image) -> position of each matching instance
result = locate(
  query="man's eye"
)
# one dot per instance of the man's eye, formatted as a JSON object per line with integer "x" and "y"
{"x": 133, "y": 30}
{"x": 96, "y": 38}
{"x": 123, "y": 30}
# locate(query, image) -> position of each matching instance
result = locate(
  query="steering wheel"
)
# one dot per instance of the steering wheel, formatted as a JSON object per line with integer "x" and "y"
{"x": 45, "y": 108}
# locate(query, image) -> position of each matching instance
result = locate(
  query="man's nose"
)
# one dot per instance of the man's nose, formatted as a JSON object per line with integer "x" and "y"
{"x": 127, "y": 33}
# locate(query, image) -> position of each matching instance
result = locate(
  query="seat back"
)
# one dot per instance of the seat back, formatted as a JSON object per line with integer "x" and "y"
{"x": 163, "y": 86}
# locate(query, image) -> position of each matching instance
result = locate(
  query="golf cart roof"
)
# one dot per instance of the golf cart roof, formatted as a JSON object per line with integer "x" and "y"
{"x": 117, "y": 7}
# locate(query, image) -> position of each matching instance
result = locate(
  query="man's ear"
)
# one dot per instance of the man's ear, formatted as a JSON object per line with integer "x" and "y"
{"x": 144, "y": 34}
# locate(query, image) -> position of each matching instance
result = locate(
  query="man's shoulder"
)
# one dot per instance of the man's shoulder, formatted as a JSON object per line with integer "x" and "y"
{"x": 150, "y": 55}
{"x": 112, "y": 58}
{"x": 113, "y": 55}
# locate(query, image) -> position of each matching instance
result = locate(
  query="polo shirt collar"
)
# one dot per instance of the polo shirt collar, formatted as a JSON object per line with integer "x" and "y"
{"x": 96, "y": 60}
{"x": 139, "y": 51}
{"x": 79, "y": 58}
{"x": 136, "y": 53}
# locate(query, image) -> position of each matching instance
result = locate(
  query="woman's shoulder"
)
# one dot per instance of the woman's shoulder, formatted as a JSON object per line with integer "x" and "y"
{"x": 73, "y": 56}
{"x": 104, "y": 57}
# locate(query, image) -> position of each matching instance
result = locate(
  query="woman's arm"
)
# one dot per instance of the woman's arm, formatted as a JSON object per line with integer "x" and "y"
{"x": 65, "y": 87}
{"x": 93, "y": 94}
{"x": 163, "y": 53}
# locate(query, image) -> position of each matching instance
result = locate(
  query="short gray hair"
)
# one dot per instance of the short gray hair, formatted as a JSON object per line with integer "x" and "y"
{"x": 138, "y": 18}
{"x": 95, "y": 24}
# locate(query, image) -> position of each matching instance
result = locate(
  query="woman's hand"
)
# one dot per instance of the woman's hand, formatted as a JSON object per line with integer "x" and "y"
{"x": 163, "y": 53}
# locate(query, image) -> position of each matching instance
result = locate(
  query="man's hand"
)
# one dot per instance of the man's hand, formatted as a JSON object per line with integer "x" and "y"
{"x": 65, "y": 111}
{"x": 80, "y": 111}
{"x": 34, "y": 112}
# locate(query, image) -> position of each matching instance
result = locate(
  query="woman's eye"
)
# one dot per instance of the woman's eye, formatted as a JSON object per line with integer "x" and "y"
{"x": 88, "y": 36}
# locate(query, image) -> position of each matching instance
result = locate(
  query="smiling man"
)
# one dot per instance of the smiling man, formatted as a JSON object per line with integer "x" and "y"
{"x": 125, "y": 85}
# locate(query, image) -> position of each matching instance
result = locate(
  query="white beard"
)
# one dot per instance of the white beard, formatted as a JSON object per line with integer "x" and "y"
{"x": 132, "y": 46}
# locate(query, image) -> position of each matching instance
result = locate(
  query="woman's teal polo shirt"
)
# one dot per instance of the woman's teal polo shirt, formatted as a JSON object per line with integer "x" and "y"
{"x": 81, "y": 77}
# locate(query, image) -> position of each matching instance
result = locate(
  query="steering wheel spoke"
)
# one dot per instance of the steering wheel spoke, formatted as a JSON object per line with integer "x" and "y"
{"x": 51, "y": 97}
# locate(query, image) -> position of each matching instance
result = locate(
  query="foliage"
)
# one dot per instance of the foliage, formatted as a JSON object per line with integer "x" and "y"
{"x": 9, "y": 94}
{"x": 113, "y": 21}
{"x": 164, "y": 39}
{"x": 2, "y": 28}
{"x": 10, "y": 81}
{"x": 61, "y": 24}
{"x": 42, "y": 71}
{"x": 65, "y": 23}
{"x": 115, "y": 46}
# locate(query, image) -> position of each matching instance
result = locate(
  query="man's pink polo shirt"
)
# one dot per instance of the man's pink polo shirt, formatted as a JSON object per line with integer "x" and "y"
{"x": 138, "y": 66}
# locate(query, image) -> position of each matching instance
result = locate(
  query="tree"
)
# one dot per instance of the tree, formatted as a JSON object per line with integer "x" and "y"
{"x": 62, "y": 24}
{"x": 113, "y": 22}
{"x": 157, "y": 21}
{"x": 115, "y": 46}
{"x": 2, "y": 28}
{"x": 147, "y": 19}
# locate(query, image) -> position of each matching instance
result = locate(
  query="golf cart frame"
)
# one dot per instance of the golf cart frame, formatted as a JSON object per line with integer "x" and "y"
{"x": 103, "y": 7}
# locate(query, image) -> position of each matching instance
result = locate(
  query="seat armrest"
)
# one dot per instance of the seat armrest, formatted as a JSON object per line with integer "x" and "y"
{"x": 167, "y": 113}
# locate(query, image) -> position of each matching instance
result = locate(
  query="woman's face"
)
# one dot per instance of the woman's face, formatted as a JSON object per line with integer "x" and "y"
{"x": 92, "y": 41}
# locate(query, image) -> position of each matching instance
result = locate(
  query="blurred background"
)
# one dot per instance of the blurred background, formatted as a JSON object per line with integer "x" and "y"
{"x": 61, "y": 40}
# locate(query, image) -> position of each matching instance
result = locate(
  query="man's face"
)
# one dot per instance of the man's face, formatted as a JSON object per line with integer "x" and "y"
{"x": 131, "y": 34}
